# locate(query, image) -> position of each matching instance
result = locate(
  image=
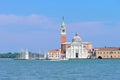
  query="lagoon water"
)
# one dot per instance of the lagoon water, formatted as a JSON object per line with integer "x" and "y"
{"x": 91, "y": 69}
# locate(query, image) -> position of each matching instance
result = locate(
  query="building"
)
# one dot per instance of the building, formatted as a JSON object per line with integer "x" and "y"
{"x": 107, "y": 52}
{"x": 54, "y": 54}
{"x": 88, "y": 45}
{"x": 76, "y": 49}
{"x": 64, "y": 46}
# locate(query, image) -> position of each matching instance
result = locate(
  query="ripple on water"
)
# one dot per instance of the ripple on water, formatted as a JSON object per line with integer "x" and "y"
{"x": 60, "y": 70}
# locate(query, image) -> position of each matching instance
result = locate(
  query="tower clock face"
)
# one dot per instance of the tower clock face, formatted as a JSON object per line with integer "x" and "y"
{"x": 63, "y": 30}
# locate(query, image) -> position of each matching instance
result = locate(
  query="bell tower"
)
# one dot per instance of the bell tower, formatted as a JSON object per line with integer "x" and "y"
{"x": 63, "y": 32}
{"x": 63, "y": 38}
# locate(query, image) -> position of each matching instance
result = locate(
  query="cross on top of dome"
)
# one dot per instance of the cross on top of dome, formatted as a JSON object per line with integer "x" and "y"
{"x": 76, "y": 34}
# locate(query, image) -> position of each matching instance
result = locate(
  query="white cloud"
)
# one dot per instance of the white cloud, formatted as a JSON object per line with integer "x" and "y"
{"x": 101, "y": 33}
{"x": 95, "y": 27}
{"x": 90, "y": 27}
{"x": 44, "y": 30}
{"x": 88, "y": 24}
{"x": 24, "y": 20}
{"x": 29, "y": 32}
{"x": 34, "y": 22}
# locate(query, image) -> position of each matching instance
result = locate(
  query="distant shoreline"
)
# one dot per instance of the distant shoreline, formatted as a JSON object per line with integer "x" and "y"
{"x": 6, "y": 58}
{"x": 61, "y": 60}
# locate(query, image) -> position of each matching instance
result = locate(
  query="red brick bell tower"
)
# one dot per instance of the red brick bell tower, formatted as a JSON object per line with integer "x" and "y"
{"x": 63, "y": 38}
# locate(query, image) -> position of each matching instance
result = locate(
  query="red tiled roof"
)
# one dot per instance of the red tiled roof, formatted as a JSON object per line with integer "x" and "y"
{"x": 54, "y": 51}
{"x": 108, "y": 49}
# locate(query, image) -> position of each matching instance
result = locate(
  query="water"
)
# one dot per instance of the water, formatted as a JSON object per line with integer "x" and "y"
{"x": 91, "y": 69}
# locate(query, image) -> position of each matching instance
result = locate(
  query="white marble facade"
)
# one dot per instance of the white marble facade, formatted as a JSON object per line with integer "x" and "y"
{"x": 76, "y": 49}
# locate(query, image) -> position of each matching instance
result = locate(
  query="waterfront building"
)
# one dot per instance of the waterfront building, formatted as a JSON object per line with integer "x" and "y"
{"x": 107, "y": 52}
{"x": 88, "y": 45}
{"x": 76, "y": 49}
{"x": 54, "y": 54}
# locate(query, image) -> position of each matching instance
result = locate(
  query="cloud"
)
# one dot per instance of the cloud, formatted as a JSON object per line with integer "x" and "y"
{"x": 94, "y": 27}
{"x": 35, "y": 32}
{"x": 34, "y": 22}
{"x": 24, "y": 20}
{"x": 29, "y": 32}
{"x": 88, "y": 27}
{"x": 88, "y": 24}
{"x": 100, "y": 33}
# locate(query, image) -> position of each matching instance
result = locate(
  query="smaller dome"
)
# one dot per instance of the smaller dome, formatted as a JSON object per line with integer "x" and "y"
{"x": 76, "y": 38}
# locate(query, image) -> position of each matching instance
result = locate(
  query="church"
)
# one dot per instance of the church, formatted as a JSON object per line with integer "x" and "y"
{"x": 75, "y": 49}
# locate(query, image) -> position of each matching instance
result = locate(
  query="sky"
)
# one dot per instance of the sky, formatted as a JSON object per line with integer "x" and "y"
{"x": 35, "y": 24}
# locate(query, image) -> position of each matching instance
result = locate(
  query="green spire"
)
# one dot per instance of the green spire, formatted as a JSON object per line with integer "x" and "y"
{"x": 63, "y": 23}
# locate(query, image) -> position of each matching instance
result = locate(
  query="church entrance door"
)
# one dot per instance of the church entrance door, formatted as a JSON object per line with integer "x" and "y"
{"x": 77, "y": 55}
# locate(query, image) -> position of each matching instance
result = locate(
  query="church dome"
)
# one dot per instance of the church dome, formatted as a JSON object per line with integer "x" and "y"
{"x": 76, "y": 38}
